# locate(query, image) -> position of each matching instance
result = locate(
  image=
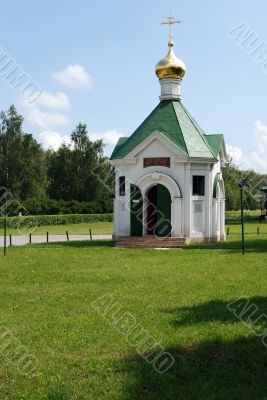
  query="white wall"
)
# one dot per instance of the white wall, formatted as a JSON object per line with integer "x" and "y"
{"x": 195, "y": 217}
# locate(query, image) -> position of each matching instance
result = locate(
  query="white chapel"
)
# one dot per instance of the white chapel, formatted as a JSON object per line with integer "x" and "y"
{"x": 168, "y": 173}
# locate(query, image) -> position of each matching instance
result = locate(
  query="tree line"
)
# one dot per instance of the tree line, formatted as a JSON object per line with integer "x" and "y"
{"x": 77, "y": 178}
{"x": 253, "y": 183}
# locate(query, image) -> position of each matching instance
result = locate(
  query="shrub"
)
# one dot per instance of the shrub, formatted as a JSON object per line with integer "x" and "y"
{"x": 234, "y": 217}
{"x": 41, "y": 220}
{"x": 59, "y": 207}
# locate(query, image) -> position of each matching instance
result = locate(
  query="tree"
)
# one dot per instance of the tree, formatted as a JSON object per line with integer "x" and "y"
{"x": 71, "y": 169}
{"x": 22, "y": 156}
{"x": 253, "y": 182}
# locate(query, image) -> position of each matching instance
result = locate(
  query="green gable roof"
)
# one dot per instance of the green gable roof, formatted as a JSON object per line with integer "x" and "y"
{"x": 174, "y": 122}
{"x": 215, "y": 142}
{"x": 119, "y": 144}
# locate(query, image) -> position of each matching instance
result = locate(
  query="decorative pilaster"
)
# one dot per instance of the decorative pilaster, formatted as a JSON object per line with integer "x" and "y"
{"x": 177, "y": 215}
{"x": 222, "y": 222}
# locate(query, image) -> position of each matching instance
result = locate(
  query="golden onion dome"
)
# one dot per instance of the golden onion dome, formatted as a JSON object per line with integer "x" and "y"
{"x": 170, "y": 66}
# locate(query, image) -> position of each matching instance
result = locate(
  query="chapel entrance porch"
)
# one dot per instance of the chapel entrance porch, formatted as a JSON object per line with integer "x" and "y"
{"x": 157, "y": 207}
{"x": 151, "y": 213}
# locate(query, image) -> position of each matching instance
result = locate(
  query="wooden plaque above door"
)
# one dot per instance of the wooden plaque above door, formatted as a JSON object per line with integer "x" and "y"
{"x": 157, "y": 161}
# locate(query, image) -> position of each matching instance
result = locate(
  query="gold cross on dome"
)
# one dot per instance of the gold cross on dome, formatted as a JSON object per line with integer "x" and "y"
{"x": 171, "y": 22}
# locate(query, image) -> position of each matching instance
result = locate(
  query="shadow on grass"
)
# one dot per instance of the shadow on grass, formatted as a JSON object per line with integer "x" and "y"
{"x": 78, "y": 244}
{"x": 222, "y": 311}
{"x": 213, "y": 370}
{"x": 216, "y": 370}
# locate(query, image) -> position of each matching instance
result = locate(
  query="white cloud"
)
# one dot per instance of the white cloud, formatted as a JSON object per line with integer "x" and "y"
{"x": 52, "y": 139}
{"x": 33, "y": 115}
{"x": 53, "y": 100}
{"x": 260, "y": 133}
{"x": 257, "y": 158}
{"x": 47, "y": 124}
{"x": 235, "y": 153}
{"x": 74, "y": 76}
{"x": 110, "y": 138}
{"x": 45, "y": 120}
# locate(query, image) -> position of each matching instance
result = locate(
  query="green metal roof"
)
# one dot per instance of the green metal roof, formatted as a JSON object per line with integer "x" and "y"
{"x": 215, "y": 142}
{"x": 174, "y": 122}
{"x": 119, "y": 144}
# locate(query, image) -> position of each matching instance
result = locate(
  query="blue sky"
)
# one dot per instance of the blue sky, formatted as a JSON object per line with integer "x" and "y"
{"x": 94, "y": 62}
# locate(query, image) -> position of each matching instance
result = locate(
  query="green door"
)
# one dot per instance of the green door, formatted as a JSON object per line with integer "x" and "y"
{"x": 164, "y": 211}
{"x": 136, "y": 211}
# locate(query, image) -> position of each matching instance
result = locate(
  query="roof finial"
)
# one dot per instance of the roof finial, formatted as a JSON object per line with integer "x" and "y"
{"x": 171, "y": 22}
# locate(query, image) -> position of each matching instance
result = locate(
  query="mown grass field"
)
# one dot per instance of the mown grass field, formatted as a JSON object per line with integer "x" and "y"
{"x": 180, "y": 297}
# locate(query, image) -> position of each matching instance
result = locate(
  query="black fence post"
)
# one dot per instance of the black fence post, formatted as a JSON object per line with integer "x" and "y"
{"x": 10, "y": 240}
{"x": 241, "y": 187}
{"x": 47, "y": 237}
{"x": 30, "y": 238}
{"x": 228, "y": 230}
{"x": 258, "y": 230}
{"x": 67, "y": 233}
{"x": 90, "y": 230}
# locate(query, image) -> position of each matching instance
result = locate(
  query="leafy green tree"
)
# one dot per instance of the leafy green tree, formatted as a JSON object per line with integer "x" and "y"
{"x": 71, "y": 169}
{"x": 253, "y": 182}
{"x": 22, "y": 156}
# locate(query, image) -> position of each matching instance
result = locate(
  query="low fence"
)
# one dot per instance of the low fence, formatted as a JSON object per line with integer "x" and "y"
{"x": 252, "y": 232}
{"x": 234, "y": 217}
{"x": 47, "y": 238}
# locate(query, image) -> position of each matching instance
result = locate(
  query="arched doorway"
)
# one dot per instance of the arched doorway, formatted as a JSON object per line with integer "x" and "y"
{"x": 158, "y": 211}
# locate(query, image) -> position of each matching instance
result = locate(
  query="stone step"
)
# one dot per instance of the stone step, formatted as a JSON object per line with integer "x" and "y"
{"x": 155, "y": 243}
{"x": 149, "y": 245}
{"x": 150, "y": 238}
{"x": 150, "y": 242}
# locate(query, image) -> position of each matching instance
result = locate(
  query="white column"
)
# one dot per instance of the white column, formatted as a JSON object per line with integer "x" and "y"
{"x": 222, "y": 222}
{"x": 208, "y": 199}
{"x": 187, "y": 202}
{"x": 127, "y": 209}
{"x": 214, "y": 218}
{"x": 115, "y": 224}
{"x": 177, "y": 216}
{"x": 116, "y": 208}
{"x": 218, "y": 217}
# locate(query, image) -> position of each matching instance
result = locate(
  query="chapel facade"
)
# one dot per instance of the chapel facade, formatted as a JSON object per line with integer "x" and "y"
{"x": 168, "y": 173}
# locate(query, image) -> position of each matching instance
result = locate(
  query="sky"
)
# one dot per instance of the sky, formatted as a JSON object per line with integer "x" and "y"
{"x": 94, "y": 62}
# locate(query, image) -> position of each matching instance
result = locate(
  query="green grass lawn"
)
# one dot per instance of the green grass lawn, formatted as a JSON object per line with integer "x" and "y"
{"x": 73, "y": 229}
{"x": 250, "y": 229}
{"x": 179, "y": 297}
